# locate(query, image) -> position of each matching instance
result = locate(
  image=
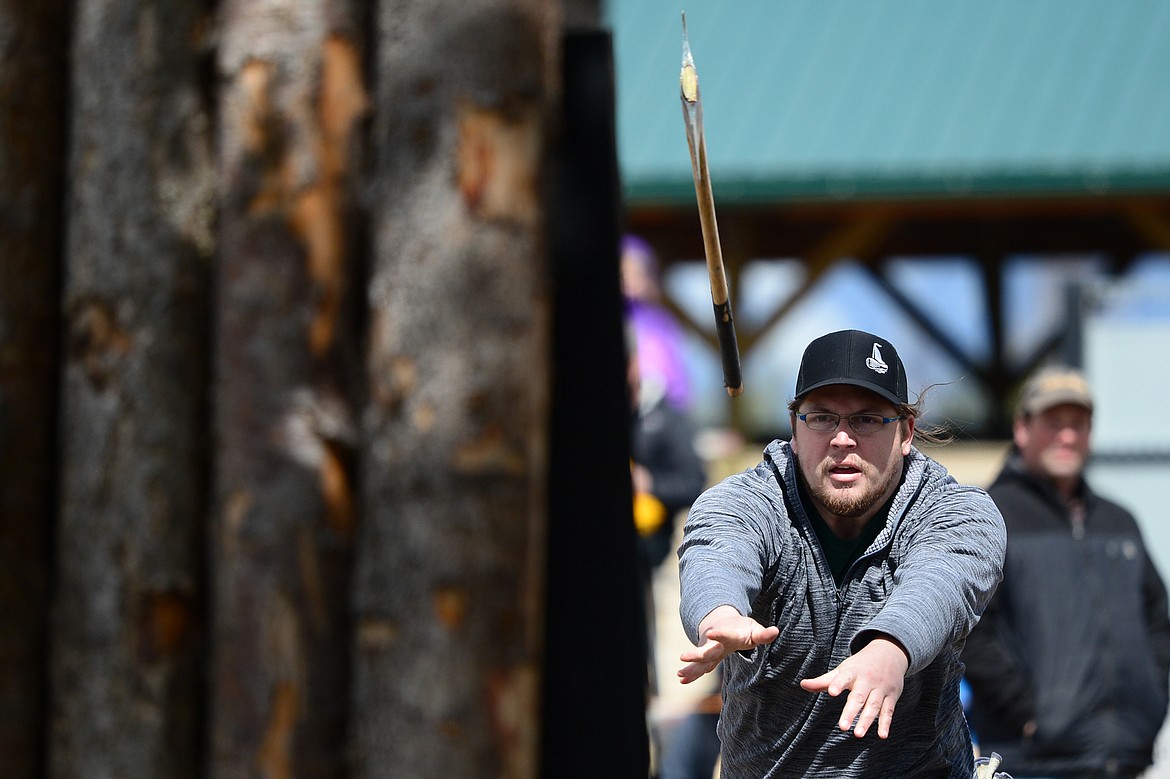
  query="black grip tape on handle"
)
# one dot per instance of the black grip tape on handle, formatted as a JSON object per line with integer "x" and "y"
{"x": 728, "y": 348}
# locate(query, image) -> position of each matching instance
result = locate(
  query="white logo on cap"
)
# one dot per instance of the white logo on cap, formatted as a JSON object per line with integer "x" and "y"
{"x": 875, "y": 362}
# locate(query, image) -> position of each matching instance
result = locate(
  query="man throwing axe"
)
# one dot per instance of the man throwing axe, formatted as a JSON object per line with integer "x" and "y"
{"x": 836, "y": 582}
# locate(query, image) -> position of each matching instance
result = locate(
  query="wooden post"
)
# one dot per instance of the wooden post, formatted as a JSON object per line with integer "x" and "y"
{"x": 448, "y": 587}
{"x": 125, "y": 665}
{"x": 286, "y": 360}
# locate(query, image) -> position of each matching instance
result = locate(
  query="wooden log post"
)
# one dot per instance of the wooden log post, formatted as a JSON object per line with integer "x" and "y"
{"x": 286, "y": 361}
{"x": 125, "y": 666}
{"x": 449, "y": 561}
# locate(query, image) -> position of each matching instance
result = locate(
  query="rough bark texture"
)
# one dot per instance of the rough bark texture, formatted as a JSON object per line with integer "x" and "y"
{"x": 32, "y": 99}
{"x": 125, "y": 662}
{"x": 220, "y": 367}
{"x": 448, "y": 588}
{"x": 287, "y": 362}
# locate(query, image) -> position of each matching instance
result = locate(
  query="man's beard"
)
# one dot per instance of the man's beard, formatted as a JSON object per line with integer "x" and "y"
{"x": 853, "y": 501}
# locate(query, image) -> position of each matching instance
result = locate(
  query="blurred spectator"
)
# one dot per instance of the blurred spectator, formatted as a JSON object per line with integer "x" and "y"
{"x": 666, "y": 470}
{"x": 659, "y": 334}
{"x": 667, "y": 474}
{"x": 1070, "y": 663}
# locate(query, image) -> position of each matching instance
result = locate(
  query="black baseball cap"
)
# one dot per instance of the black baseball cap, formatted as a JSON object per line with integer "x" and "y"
{"x": 853, "y": 357}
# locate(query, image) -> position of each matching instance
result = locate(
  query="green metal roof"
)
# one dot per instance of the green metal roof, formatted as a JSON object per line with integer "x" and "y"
{"x": 815, "y": 99}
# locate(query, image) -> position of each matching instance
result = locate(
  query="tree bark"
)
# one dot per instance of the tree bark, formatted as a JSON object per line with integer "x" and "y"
{"x": 33, "y": 39}
{"x": 449, "y": 567}
{"x": 125, "y": 662}
{"x": 287, "y": 363}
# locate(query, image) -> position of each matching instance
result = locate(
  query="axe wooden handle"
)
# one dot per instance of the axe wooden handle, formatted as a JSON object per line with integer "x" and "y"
{"x": 724, "y": 322}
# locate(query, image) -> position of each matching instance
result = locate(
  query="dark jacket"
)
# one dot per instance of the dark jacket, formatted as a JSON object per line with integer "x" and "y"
{"x": 1077, "y": 638}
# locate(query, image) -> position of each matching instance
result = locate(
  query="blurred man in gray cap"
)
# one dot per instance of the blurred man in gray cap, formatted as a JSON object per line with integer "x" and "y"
{"x": 1070, "y": 664}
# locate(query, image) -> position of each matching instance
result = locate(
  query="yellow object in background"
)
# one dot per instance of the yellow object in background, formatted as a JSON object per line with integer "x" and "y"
{"x": 649, "y": 513}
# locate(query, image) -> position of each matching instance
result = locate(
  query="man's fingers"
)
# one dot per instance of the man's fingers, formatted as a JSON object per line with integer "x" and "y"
{"x": 729, "y": 637}
{"x": 862, "y": 710}
{"x": 869, "y": 713}
{"x": 834, "y": 683}
{"x": 857, "y": 713}
{"x": 766, "y": 636}
{"x": 887, "y": 717}
{"x": 693, "y": 671}
{"x": 816, "y": 683}
{"x": 719, "y": 642}
{"x": 701, "y": 660}
{"x": 709, "y": 651}
{"x": 878, "y": 708}
{"x": 697, "y": 667}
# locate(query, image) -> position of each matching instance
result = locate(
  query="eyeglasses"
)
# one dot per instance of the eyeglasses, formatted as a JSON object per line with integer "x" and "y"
{"x": 862, "y": 424}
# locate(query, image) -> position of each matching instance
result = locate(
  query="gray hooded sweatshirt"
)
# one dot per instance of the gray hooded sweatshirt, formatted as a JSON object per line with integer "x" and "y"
{"x": 924, "y": 580}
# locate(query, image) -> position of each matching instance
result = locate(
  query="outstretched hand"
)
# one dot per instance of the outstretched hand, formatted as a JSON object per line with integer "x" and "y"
{"x": 724, "y": 631}
{"x": 875, "y": 676}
